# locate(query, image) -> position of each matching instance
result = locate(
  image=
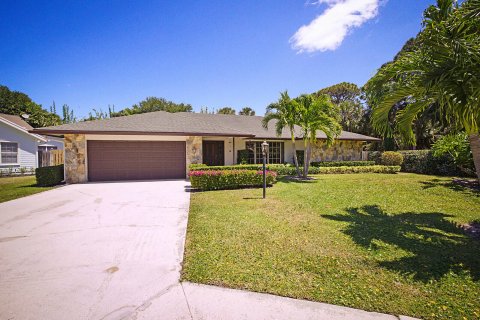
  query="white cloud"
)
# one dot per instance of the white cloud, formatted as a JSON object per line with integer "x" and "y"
{"x": 327, "y": 31}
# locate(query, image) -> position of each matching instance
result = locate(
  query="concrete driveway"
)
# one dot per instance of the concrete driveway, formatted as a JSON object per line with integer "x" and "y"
{"x": 91, "y": 251}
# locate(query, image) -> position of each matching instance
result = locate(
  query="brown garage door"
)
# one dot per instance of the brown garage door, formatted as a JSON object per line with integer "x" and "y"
{"x": 135, "y": 160}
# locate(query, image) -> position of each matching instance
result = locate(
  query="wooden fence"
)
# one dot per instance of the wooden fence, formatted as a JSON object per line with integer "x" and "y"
{"x": 50, "y": 158}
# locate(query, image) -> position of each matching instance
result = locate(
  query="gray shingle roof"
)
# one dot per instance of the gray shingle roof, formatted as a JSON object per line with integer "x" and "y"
{"x": 185, "y": 123}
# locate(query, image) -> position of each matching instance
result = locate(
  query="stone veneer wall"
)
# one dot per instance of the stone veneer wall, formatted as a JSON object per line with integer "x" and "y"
{"x": 341, "y": 150}
{"x": 194, "y": 150}
{"x": 75, "y": 167}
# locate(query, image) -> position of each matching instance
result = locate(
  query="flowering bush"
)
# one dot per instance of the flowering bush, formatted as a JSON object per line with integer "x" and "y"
{"x": 229, "y": 179}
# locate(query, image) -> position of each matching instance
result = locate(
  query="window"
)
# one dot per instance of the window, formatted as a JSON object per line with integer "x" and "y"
{"x": 275, "y": 152}
{"x": 9, "y": 152}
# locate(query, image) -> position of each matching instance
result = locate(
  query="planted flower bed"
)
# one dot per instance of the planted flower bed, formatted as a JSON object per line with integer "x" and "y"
{"x": 229, "y": 179}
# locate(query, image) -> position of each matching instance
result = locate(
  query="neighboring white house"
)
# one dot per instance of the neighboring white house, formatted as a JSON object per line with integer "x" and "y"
{"x": 18, "y": 147}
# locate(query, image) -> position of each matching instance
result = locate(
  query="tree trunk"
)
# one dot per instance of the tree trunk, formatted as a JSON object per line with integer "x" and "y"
{"x": 475, "y": 147}
{"x": 295, "y": 158}
{"x": 306, "y": 160}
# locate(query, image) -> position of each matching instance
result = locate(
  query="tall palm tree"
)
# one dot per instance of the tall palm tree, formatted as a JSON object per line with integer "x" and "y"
{"x": 443, "y": 69}
{"x": 316, "y": 113}
{"x": 285, "y": 111}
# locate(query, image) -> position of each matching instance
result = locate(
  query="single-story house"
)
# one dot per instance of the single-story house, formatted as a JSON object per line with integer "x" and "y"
{"x": 162, "y": 145}
{"x": 19, "y": 147}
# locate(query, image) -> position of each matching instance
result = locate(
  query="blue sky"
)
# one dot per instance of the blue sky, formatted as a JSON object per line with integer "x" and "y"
{"x": 91, "y": 54}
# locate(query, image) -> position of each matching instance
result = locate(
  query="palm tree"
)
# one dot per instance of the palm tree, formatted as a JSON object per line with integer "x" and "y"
{"x": 316, "y": 113}
{"x": 246, "y": 111}
{"x": 442, "y": 70}
{"x": 286, "y": 114}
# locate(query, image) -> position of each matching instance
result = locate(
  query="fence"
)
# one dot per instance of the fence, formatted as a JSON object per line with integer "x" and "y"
{"x": 50, "y": 158}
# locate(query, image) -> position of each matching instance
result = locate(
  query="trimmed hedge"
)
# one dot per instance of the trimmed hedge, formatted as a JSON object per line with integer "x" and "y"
{"x": 359, "y": 169}
{"x": 392, "y": 158}
{"x": 49, "y": 176}
{"x": 423, "y": 162}
{"x": 229, "y": 179}
{"x": 289, "y": 170}
{"x": 342, "y": 163}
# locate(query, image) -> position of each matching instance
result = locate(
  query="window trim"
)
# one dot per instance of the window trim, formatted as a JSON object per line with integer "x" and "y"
{"x": 257, "y": 158}
{"x": 9, "y": 163}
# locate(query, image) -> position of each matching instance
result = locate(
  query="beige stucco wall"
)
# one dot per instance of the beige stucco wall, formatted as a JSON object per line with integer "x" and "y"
{"x": 75, "y": 158}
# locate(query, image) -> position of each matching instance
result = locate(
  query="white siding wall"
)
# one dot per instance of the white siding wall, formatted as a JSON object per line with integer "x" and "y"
{"x": 27, "y": 146}
{"x": 57, "y": 142}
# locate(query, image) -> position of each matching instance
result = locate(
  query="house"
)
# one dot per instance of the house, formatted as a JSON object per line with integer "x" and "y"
{"x": 18, "y": 147}
{"x": 161, "y": 145}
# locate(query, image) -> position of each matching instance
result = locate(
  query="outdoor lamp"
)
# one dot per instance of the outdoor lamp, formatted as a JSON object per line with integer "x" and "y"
{"x": 265, "y": 152}
{"x": 264, "y": 148}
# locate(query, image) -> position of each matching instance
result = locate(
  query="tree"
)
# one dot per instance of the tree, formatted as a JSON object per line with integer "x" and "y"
{"x": 247, "y": 111}
{"x": 226, "y": 110}
{"x": 96, "y": 115}
{"x": 152, "y": 104}
{"x": 347, "y": 97}
{"x": 285, "y": 111}
{"x": 18, "y": 103}
{"x": 316, "y": 113}
{"x": 443, "y": 70}
{"x": 458, "y": 148}
{"x": 68, "y": 116}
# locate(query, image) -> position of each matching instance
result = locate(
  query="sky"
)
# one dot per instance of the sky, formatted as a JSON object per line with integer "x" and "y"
{"x": 210, "y": 53}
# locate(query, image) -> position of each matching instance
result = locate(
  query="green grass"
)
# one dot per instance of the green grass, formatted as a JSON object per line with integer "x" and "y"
{"x": 386, "y": 243}
{"x": 17, "y": 187}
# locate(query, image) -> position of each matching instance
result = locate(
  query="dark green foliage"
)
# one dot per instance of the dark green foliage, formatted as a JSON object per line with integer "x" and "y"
{"x": 152, "y": 104}
{"x": 242, "y": 156}
{"x": 424, "y": 162}
{"x": 246, "y": 111}
{"x": 342, "y": 163}
{"x": 18, "y": 103}
{"x": 347, "y": 98}
{"x": 458, "y": 147}
{"x": 375, "y": 156}
{"x": 226, "y": 110}
{"x": 49, "y": 176}
{"x": 392, "y": 158}
{"x": 229, "y": 179}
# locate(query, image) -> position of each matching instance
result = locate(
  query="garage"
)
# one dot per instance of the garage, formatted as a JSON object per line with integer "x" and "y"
{"x": 135, "y": 160}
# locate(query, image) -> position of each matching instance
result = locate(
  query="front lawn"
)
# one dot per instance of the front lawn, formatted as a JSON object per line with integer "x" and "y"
{"x": 386, "y": 243}
{"x": 17, "y": 187}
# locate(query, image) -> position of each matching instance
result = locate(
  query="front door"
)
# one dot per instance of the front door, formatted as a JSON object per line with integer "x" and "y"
{"x": 213, "y": 153}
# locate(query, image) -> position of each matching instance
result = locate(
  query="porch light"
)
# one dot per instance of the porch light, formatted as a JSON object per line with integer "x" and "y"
{"x": 264, "y": 148}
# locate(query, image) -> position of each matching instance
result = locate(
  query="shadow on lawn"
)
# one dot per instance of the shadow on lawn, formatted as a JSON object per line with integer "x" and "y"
{"x": 461, "y": 185}
{"x": 436, "y": 246}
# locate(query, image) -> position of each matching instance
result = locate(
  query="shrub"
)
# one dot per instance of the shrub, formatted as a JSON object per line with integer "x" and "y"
{"x": 375, "y": 156}
{"x": 342, "y": 163}
{"x": 289, "y": 169}
{"x": 194, "y": 166}
{"x": 229, "y": 179}
{"x": 392, "y": 158}
{"x": 424, "y": 162}
{"x": 359, "y": 169}
{"x": 242, "y": 157}
{"x": 49, "y": 176}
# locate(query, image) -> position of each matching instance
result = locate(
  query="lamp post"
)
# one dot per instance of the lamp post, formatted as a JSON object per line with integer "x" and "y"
{"x": 264, "y": 152}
